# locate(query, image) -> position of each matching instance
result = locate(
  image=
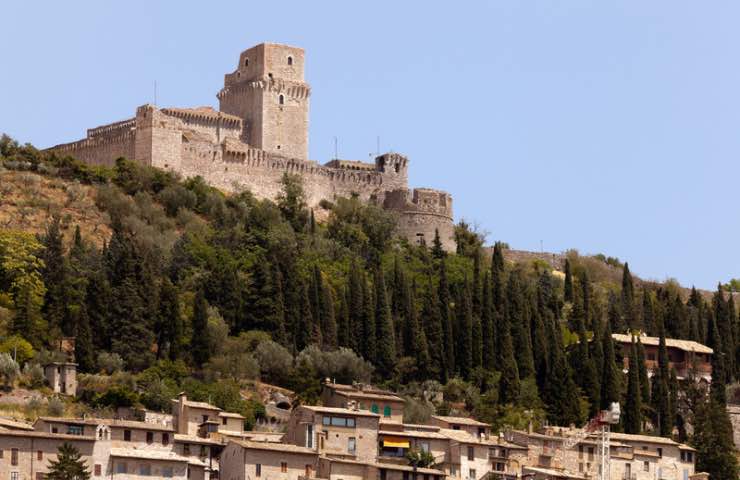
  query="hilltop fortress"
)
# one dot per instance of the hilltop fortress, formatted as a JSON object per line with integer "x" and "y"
{"x": 260, "y": 132}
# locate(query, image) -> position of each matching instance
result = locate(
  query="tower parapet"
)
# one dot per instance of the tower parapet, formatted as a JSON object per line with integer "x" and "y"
{"x": 422, "y": 213}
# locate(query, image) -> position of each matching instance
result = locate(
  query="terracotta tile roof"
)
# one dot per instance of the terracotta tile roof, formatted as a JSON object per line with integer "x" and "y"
{"x": 388, "y": 466}
{"x": 111, "y": 422}
{"x": 369, "y": 395}
{"x": 13, "y": 424}
{"x": 551, "y": 472}
{"x": 414, "y": 434}
{"x": 147, "y": 454}
{"x": 277, "y": 447}
{"x": 685, "y": 345}
{"x": 230, "y": 415}
{"x": 626, "y": 437}
{"x": 37, "y": 434}
{"x": 203, "y": 405}
{"x": 340, "y": 411}
{"x": 193, "y": 439}
{"x": 460, "y": 421}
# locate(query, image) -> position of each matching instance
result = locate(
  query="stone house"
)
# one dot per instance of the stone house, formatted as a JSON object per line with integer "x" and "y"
{"x": 243, "y": 459}
{"x": 364, "y": 397}
{"x": 683, "y": 355}
{"x": 469, "y": 425}
{"x": 62, "y": 377}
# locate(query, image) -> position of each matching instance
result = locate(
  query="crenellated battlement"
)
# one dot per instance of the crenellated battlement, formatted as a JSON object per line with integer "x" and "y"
{"x": 259, "y": 133}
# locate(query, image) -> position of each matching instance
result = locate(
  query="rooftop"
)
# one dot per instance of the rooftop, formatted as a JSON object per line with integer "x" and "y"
{"x": 203, "y": 405}
{"x": 460, "y": 421}
{"x": 37, "y": 434}
{"x": 553, "y": 473}
{"x": 278, "y": 447}
{"x": 111, "y": 422}
{"x": 685, "y": 345}
{"x": 147, "y": 454}
{"x": 340, "y": 411}
{"x": 13, "y": 424}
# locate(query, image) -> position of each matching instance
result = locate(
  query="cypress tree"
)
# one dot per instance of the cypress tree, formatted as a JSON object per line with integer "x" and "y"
{"x": 278, "y": 324}
{"x": 386, "y": 342}
{"x": 628, "y": 298}
{"x": 518, "y": 322}
{"x": 497, "y": 276}
{"x": 643, "y": 374}
{"x": 356, "y": 306}
{"x": 200, "y": 342}
{"x": 648, "y": 312}
{"x": 369, "y": 329}
{"x": 487, "y": 325}
{"x": 434, "y": 334}
{"x": 660, "y": 392}
{"x": 343, "y": 326}
{"x": 568, "y": 286}
{"x": 328, "y": 320}
{"x": 420, "y": 347}
{"x": 509, "y": 384}
{"x": 171, "y": 328}
{"x": 410, "y": 325}
{"x": 55, "y": 275}
{"x": 437, "y": 250}
{"x": 725, "y": 327}
{"x": 560, "y": 391}
{"x": 611, "y": 372}
{"x": 632, "y": 420}
{"x": 464, "y": 316}
{"x": 443, "y": 293}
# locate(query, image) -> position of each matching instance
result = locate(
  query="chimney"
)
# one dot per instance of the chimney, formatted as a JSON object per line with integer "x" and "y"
{"x": 182, "y": 419}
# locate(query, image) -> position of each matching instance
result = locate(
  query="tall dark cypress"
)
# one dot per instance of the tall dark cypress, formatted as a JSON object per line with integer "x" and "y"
{"x": 648, "y": 312}
{"x": 518, "y": 322}
{"x": 344, "y": 330}
{"x": 279, "y": 328}
{"x": 369, "y": 329}
{"x": 628, "y": 298}
{"x": 386, "y": 341}
{"x": 434, "y": 334}
{"x": 632, "y": 419}
{"x": 356, "y": 305}
{"x": 170, "y": 333}
{"x": 437, "y": 251}
{"x": 568, "y": 285}
{"x": 509, "y": 384}
{"x": 660, "y": 391}
{"x": 55, "y": 276}
{"x": 643, "y": 374}
{"x": 328, "y": 319}
{"x": 497, "y": 276}
{"x": 559, "y": 391}
{"x": 200, "y": 342}
{"x": 443, "y": 293}
{"x": 464, "y": 315}
{"x": 611, "y": 372}
{"x": 487, "y": 325}
{"x": 725, "y": 329}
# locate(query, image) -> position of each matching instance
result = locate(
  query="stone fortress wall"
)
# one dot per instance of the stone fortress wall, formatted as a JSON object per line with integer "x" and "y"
{"x": 260, "y": 133}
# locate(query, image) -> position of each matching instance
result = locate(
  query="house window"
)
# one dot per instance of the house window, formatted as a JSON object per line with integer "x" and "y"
{"x": 39, "y": 455}
{"x": 54, "y": 430}
{"x": 290, "y": 60}
{"x": 145, "y": 470}
{"x": 121, "y": 467}
{"x": 471, "y": 453}
{"x": 660, "y": 452}
{"x": 453, "y": 470}
{"x": 472, "y": 474}
{"x": 284, "y": 467}
{"x": 645, "y": 466}
{"x": 223, "y": 421}
{"x": 424, "y": 446}
{"x": 74, "y": 430}
{"x": 14, "y": 476}
{"x": 149, "y": 437}
{"x": 374, "y": 408}
{"x": 205, "y": 418}
{"x": 14, "y": 457}
{"x": 165, "y": 439}
{"x": 258, "y": 470}
{"x": 580, "y": 452}
{"x": 309, "y": 436}
{"x": 351, "y": 445}
{"x": 127, "y": 435}
{"x": 40, "y": 475}
{"x": 387, "y": 411}
{"x": 186, "y": 449}
{"x": 281, "y": 100}
{"x": 98, "y": 469}
{"x": 590, "y": 453}
{"x": 167, "y": 472}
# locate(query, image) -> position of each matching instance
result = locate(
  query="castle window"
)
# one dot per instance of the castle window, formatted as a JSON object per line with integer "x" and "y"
{"x": 290, "y": 60}
{"x": 281, "y": 100}
{"x": 246, "y": 62}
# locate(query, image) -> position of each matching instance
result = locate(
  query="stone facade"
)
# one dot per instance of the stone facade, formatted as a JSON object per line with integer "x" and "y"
{"x": 259, "y": 133}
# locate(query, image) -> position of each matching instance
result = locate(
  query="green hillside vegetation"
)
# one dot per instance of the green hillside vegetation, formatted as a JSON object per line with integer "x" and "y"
{"x": 197, "y": 291}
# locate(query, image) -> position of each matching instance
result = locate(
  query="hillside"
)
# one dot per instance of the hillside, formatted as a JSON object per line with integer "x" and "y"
{"x": 170, "y": 285}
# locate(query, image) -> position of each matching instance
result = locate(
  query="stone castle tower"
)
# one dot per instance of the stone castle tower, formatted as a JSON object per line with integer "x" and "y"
{"x": 259, "y": 133}
{"x": 268, "y": 92}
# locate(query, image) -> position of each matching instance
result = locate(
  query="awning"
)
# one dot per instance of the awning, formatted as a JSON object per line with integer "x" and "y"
{"x": 395, "y": 442}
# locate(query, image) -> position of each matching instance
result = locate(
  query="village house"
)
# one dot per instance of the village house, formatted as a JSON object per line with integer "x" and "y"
{"x": 364, "y": 397}
{"x": 685, "y": 356}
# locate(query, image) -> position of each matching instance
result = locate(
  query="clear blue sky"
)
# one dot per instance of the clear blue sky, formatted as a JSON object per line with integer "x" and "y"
{"x": 604, "y": 126}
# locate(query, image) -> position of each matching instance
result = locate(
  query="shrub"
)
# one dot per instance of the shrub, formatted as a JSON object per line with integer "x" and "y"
{"x": 55, "y": 407}
{"x": 9, "y": 370}
{"x": 18, "y": 347}
{"x": 110, "y": 362}
{"x": 275, "y": 362}
{"x": 342, "y": 365}
{"x": 33, "y": 375}
{"x": 176, "y": 197}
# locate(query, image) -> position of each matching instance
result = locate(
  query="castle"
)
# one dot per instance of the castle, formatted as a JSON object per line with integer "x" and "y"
{"x": 259, "y": 133}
